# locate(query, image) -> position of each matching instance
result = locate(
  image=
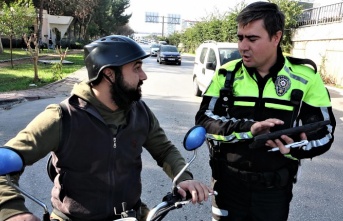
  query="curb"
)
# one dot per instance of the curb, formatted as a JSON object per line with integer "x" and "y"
{"x": 15, "y": 59}
{"x": 11, "y": 100}
{"x": 9, "y": 103}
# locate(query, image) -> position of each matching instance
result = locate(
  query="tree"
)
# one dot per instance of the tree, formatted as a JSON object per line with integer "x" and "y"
{"x": 40, "y": 6}
{"x": 118, "y": 7}
{"x": 292, "y": 10}
{"x": 125, "y": 30}
{"x": 33, "y": 47}
{"x": 92, "y": 18}
{"x": 109, "y": 19}
{"x": 224, "y": 27}
{"x": 15, "y": 20}
{"x": 2, "y": 3}
{"x": 84, "y": 13}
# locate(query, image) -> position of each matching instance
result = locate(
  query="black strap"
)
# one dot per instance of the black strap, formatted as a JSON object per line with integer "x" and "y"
{"x": 294, "y": 60}
{"x": 226, "y": 93}
{"x": 296, "y": 99}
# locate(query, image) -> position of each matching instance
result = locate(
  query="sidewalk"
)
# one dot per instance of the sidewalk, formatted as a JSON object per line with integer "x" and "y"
{"x": 59, "y": 88}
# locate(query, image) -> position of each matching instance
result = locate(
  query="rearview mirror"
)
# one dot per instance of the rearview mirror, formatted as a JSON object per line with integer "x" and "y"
{"x": 10, "y": 161}
{"x": 194, "y": 138}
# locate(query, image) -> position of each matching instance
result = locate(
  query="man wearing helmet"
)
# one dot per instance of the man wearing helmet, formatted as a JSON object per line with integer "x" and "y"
{"x": 107, "y": 126}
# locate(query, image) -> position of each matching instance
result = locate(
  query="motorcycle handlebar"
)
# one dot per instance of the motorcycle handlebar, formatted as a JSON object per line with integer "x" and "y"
{"x": 12, "y": 162}
{"x": 169, "y": 202}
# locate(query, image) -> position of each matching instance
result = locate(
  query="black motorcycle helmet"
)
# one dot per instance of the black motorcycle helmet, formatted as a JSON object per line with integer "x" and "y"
{"x": 114, "y": 50}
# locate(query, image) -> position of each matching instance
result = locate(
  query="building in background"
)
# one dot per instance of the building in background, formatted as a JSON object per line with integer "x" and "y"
{"x": 54, "y": 28}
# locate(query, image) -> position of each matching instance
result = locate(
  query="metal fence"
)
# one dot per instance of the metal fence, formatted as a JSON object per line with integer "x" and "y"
{"x": 321, "y": 15}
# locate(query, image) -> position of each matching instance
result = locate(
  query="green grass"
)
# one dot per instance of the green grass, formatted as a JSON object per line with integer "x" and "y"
{"x": 16, "y": 53}
{"x": 21, "y": 76}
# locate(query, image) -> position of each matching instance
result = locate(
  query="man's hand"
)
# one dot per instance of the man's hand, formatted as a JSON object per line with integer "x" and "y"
{"x": 199, "y": 191}
{"x": 263, "y": 127}
{"x": 278, "y": 143}
{"x": 23, "y": 217}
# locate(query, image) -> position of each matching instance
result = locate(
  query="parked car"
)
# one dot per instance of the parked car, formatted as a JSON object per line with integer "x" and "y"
{"x": 162, "y": 42}
{"x": 209, "y": 56}
{"x": 153, "y": 49}
{"x": 168, "y": 54}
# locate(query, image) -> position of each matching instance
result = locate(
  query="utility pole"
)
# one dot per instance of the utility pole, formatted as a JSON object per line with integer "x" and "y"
{"x": 153, "y": 17}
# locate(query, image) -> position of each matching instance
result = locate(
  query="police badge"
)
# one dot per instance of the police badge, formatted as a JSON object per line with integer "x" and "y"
{"x": 282, "y": 84}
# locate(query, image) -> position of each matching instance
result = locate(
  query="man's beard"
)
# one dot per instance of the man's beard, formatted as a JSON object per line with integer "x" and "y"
{"x": 122, "y": 94}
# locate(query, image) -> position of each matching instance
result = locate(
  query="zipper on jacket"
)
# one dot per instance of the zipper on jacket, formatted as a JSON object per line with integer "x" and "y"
{"x": 259, "y": 105}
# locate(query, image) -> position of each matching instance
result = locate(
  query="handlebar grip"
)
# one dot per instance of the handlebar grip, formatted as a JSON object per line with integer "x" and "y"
{"x": 188, "y": 195}
{"x": 46, "y": 217}
{"x": 179, "y": 197}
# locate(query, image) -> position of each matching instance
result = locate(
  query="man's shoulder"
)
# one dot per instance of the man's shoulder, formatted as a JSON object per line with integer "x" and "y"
{"x": 301, "y": 65}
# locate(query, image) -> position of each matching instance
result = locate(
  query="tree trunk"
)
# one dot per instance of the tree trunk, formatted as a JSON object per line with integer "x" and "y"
{"x": 40, "y": 23}
{"x": 11, "y": 49}
{"x": 80, "y": 31}
{"x": 1, "y": 46}
{"x": 35, "y": 67}
{"x": 85, "y": 31}
{"x": 75, "y": 32}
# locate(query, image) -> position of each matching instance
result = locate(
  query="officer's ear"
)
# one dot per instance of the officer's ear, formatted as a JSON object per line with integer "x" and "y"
{"x": 277, "y": 38}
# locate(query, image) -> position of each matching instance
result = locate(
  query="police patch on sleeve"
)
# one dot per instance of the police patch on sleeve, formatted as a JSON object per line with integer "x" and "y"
{"x": 282, "y": 84}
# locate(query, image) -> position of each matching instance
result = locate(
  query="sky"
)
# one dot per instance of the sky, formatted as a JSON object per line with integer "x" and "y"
{"x": 192, "y": 10}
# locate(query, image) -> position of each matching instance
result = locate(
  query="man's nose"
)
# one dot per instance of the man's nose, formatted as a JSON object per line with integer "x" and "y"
{"x": 243, "y": 45}
{"x": 143, "y": 76}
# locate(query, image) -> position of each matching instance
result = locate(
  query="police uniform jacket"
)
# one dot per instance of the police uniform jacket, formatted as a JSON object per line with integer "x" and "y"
{"x": 256, "y": 99}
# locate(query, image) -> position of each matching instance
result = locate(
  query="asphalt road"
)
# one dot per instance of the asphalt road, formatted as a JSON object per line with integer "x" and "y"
{"x": 168, "y": 91}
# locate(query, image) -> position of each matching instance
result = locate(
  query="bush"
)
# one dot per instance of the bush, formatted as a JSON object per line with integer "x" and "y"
{"x": 16, "y": 43}
{"x": 71, "y": 44}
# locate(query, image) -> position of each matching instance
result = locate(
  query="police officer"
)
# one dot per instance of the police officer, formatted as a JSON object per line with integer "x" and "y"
{"x": 262, "y": 92}
{"x": 96, "y": 141}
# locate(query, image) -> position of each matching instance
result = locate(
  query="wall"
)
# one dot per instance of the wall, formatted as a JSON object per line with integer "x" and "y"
{"x": 322, "y": 43}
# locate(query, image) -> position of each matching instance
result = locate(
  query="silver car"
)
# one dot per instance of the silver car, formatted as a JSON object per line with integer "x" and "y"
{"x": 154, "y": 48}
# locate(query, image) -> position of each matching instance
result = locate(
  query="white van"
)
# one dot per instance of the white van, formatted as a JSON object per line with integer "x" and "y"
{"x": 209, "y": 56}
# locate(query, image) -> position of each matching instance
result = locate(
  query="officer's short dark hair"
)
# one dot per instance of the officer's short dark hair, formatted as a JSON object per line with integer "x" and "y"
{"x": 273, "y": 18}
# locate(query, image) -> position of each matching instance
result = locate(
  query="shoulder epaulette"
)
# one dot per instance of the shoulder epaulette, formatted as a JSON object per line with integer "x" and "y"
{"x": 294, "y": 60}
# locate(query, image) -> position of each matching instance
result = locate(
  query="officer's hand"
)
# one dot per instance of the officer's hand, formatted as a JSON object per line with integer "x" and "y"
{"x": 198, "y": 190}
{"x": 286, "y": 139}
{"x": 23, "y": 217}
{"x": 263, "y": 127}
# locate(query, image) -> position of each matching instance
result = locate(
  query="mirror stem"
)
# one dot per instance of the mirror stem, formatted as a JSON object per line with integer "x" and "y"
{"x": 8, "y": 177}
{"x": 183, "y": 170}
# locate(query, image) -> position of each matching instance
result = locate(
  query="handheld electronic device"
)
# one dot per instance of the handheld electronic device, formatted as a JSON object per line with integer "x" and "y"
{"x": 260, "y": 140}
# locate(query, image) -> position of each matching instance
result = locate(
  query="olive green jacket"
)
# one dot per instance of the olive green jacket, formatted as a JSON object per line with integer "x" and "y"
{"x": 43, "y": 134}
